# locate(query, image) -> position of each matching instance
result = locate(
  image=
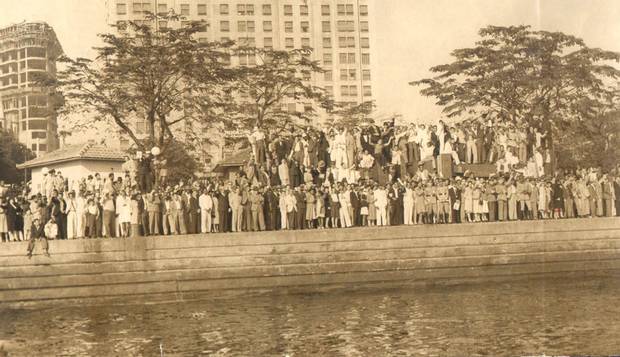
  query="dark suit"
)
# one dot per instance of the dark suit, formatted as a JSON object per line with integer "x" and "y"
{"x": 222, "y": 210}
{"x": 355, "y": 207}
{"x": 271, "y": 210}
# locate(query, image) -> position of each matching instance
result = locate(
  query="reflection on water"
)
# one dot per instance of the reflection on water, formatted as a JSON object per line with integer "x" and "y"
{"x": 521, "y": 318}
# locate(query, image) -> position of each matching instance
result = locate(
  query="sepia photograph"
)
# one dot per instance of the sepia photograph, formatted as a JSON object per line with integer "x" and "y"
{"x": 309, "y": 178}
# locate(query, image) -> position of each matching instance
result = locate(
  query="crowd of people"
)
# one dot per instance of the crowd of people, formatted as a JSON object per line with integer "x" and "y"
{"x": 319, "y": 179}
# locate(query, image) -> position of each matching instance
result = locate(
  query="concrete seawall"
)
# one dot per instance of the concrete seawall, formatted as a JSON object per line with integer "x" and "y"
{"x": 184, "y": 266}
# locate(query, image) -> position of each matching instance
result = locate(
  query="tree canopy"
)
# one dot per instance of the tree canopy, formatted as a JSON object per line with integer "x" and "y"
{"x": 144, "y": 74}
{"x": 278, "y": 78}
{"x": 518, "y": 74}
{"x": 12, "y": 152}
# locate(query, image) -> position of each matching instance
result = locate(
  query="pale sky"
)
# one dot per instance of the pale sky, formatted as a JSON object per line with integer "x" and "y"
{"x": 409, "y": 36}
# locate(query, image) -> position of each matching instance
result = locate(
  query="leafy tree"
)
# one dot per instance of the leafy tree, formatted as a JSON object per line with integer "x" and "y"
{"x": 516, "y": 74}
{"x": 144, "y": 74}
{"x": 349, "y": 116}
{"x": 12, "y": 152}
{"x": 278, "y": 78}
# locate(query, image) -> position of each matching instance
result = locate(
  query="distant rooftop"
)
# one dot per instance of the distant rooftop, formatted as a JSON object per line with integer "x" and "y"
{"x": 89, "y": 151}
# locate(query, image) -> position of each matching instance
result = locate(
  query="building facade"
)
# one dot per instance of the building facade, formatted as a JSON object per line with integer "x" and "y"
{"x": 338, "y": 31}
{"x": 25, "y": 50}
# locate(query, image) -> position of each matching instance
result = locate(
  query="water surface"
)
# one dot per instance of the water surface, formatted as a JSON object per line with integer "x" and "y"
{"x": 536, "y": 317}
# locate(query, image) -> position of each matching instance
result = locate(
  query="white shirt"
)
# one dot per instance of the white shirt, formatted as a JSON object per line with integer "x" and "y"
{"x": 205, "y": 202}
{"x": 380, "y": 198}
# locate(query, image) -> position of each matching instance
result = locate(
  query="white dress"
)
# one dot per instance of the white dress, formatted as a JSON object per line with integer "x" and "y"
{"x": 123, "y": 208}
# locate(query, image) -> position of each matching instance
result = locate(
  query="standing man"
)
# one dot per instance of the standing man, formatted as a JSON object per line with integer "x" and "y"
{"x": 205, "y": 202}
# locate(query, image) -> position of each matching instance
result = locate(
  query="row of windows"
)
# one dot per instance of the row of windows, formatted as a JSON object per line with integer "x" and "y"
{"x": 350, "y": 91}
{"x": 140, "y": 7}
{"x": 34, "y": 125}
{"x": 304, "y": 26}
{"x": 346, "y": 42}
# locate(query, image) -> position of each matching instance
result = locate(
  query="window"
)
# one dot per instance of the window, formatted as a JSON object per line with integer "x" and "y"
{"x": 37, "y": 124}
{"x": 137, "y": 7}
{"x": 224, "y": 26}
{"x": 305, "y": 42}
{"x": 346, "y": 42}
{"x": 245, "y": 60}
{"x": 364, "y": 26}
{"x": 364, "y": 10}
{"x": 39, "y": 135}
{"x": 345, "y": 10}
{"x": 267, "y": 26}
{"x": 344, "y": 91}
{"x": 34, "y": 147}
{"x": 303, "y": 10}
{"x": 268, "y": 42}
{"x": 42, "y": 147}
{"x": 121, "y": 9}
{"x": 342, "y": 58}
{"x": 327, "y": 59}
{"x": 327, "y": 26}
{"x": 366, "y": 74}
{"x": 327, "y": 42}
{"x": 325, "y": 10}
{"x": 346, "y": 26}
{"x": 288, "y": 10}
{"x": 24, "y": 125}
{"x": 351, "y": 58}
{"x": 223, "y": 9}
{"x": 365, "y": 42}
{"x": 247, "y": 41}
{"x": 185, "y": 9}
{"x": 246, "y": 26}
{"x": 329, "y": 90}
{"x": 249, "y": 9}
{"x": 305, "y": 26}
{"x": 367, "y": 91}
{"x": 365, "y": 58}
{"x": 289, "y": 42}
{"x": 288, "y": 26}
{"x": 344, "y": 74}
{"x": 162, "y": 8}
{"x": 267, "y": 10}
{"x": 202, "y": 9}
{"x": 352, "y": 75}
{"x": 328, "y": 75}
{"x": 240, "y": 9}
{"x": 353, "y": 91}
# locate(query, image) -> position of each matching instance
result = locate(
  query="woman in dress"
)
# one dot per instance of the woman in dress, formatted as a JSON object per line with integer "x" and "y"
{"x": 372, "y": 209}
{"x": 364, "y": 208}
{"x": 18, "y": 224}
{"x": 334, "y": 204}
{"x": 11, "y": 218}
{"x": 310, "y": 208}
{"x": 320, "y": 209}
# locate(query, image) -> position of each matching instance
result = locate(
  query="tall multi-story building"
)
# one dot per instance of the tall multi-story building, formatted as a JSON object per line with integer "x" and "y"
{"x": 25, "y": 50}
{"x": 337, "y": 31}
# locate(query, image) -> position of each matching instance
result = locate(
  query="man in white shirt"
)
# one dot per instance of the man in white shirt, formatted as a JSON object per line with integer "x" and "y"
{"x": 206, "y": 206}
{"x": 381, "y": 202}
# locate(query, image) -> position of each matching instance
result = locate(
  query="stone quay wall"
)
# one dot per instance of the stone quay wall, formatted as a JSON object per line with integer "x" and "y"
{"x": 183, "y": 267}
